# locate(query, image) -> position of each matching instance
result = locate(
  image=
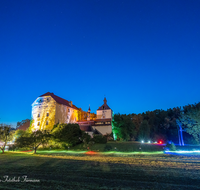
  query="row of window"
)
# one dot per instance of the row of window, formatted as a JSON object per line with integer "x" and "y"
{"x": 47, "y": 123}
{"x": 41, "y": 100}
{"x": 46, "y": 114}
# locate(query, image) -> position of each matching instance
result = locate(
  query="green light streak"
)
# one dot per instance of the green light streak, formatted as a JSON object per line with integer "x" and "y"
{"x": 130, "y": 153}
{"x": 61, "y": 151}
{"x": 85, "y": 152}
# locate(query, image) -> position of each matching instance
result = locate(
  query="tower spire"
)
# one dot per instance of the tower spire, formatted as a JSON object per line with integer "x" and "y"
{"x": 88, "y": 113}
{"x": 105, "y": 101}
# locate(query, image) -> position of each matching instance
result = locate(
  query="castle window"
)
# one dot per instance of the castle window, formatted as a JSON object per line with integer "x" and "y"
{"x": 47, "y": 114}
{"x": 47, "y": 123}
{"x": 38, "y": 115}
{"x": 38, "y": 124}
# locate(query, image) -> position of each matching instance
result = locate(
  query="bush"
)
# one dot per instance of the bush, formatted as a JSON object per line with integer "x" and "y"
{"x": 12, "y": 147}
{"x": 99, "y": 139}
{"x": 67, "y": 133}
{"x": 108, "y": 148}
{"x": 170, "y": 146}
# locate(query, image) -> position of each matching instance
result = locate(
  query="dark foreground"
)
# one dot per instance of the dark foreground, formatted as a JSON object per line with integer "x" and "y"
{"x": 100, "y": 172}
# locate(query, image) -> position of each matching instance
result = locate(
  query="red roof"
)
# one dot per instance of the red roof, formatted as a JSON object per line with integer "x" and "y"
{"x": 104, "y": 107}
{"x": 59, "y": 100}
{"x": 24, "y": 126}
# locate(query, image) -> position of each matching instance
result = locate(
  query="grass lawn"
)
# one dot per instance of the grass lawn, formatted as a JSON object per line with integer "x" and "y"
{"x": 99, "y": 171}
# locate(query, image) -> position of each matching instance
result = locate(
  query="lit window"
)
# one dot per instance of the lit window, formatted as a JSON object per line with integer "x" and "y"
{"x": 38, "y": 115}
{"x": 47, "y": 123}
{"x": 38, "y": 124}
{"x": 47, "y": 114}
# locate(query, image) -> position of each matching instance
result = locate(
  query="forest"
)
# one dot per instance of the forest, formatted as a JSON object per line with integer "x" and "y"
{"x": 159, "y": 125}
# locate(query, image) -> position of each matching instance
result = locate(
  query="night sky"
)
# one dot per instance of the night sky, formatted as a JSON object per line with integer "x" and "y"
{"x": 141, "y": 55}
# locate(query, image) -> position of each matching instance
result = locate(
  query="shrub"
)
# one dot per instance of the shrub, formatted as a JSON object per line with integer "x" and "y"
{"x": 170, "y": 146}
{"x": 108, "y": 148}
{"x": 12, "y": 147}
{"x": 99, "y": 139}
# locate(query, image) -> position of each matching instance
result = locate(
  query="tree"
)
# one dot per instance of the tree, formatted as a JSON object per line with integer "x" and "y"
{"x": 33, "y": 140}
{"x": 123, "y": 127}
{"x": 144, "y": 132}
{"x": 67, "y": 133}
{"x": 6, "y": 135}
{"x": 191, "y": 122}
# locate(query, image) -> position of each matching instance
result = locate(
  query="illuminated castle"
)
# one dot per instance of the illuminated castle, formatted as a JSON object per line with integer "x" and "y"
{"x": 49, "y": 109}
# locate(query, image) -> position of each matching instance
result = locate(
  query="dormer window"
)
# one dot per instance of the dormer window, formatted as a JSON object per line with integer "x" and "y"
{"x": 38, "y": 115}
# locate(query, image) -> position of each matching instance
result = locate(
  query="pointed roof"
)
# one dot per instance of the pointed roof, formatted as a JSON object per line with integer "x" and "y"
{"x": 89, "y": 109}
{"x": 104, "y": 106}
{"x": 59, "y": 100}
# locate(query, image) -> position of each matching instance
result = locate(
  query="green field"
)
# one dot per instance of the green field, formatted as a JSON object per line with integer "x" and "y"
{"x": 62, "y": 170}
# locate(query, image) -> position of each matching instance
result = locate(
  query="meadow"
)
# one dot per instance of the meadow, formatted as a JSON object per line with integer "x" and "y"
{"x": 85, "y": 170}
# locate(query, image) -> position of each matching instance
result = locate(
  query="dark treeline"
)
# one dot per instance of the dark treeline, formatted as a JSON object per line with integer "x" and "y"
{"x": 152, "y": 125}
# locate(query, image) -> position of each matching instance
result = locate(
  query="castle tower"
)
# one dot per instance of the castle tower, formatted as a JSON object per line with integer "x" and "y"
{"x": 88, "y": 114}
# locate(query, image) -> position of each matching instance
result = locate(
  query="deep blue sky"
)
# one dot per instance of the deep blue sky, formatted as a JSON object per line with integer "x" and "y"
{"x": 141, "y": 54}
